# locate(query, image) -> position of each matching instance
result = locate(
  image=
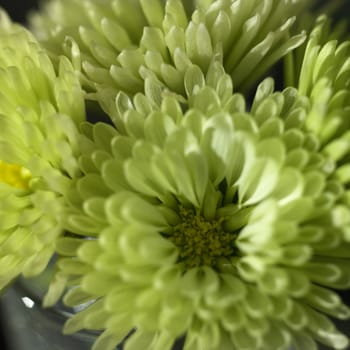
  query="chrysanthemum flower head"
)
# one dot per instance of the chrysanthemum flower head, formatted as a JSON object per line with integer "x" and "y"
{"x": 194, "y": 214}
{"x": 208, "y": 221}
{"x": 324, "y": 78}
{"x": 39, "y": 110}
{"x": 124, "y": 42}
{"x": 320, "y": 30}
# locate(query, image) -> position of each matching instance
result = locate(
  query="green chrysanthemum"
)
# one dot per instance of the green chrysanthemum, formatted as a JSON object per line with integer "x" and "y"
{"x": 324, "y": 22}
{"x": 38, "y": 149}
{"x": 214, "y": 223}
{"x": 325, "y": 78}
{"x": 124, "y": 42}
{"x": 321, "y": 30}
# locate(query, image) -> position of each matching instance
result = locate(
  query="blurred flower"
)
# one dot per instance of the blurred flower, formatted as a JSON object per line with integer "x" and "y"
{"x": 39, "y": 111}
{"x": 325, "y": 79}
{"x": 122, "y": 43}
{"x": 208, "y": 221}
{"x": 320, "y": 30}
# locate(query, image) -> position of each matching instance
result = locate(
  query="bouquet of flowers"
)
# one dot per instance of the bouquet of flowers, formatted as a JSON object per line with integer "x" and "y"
{"x": 187, "y": 165}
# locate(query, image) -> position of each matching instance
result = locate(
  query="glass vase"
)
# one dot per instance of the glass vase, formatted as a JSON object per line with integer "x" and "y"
{"x": 26, "y": 325}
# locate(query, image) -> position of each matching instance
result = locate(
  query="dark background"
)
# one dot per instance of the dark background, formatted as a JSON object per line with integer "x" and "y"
{"x": 18, "y": 8}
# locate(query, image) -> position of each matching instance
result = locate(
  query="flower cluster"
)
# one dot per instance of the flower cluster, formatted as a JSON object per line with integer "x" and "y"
{"x": 39, "y": 112}
{"x": 205, "y": 203}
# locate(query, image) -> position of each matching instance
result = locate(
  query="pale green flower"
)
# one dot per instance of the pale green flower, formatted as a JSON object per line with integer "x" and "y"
{"x": 205, "y": 220}
{"x": 325, "y": 78}
{"x": 195, "y": 214}
{"x": 124, "y": 42}
{"x": 39, "y": 110}
{"x": 321, "y": 30}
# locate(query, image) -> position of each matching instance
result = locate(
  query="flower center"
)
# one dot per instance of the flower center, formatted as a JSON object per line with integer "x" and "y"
{"x": 14, "y": 175}
{"x": 201, "y": 242}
